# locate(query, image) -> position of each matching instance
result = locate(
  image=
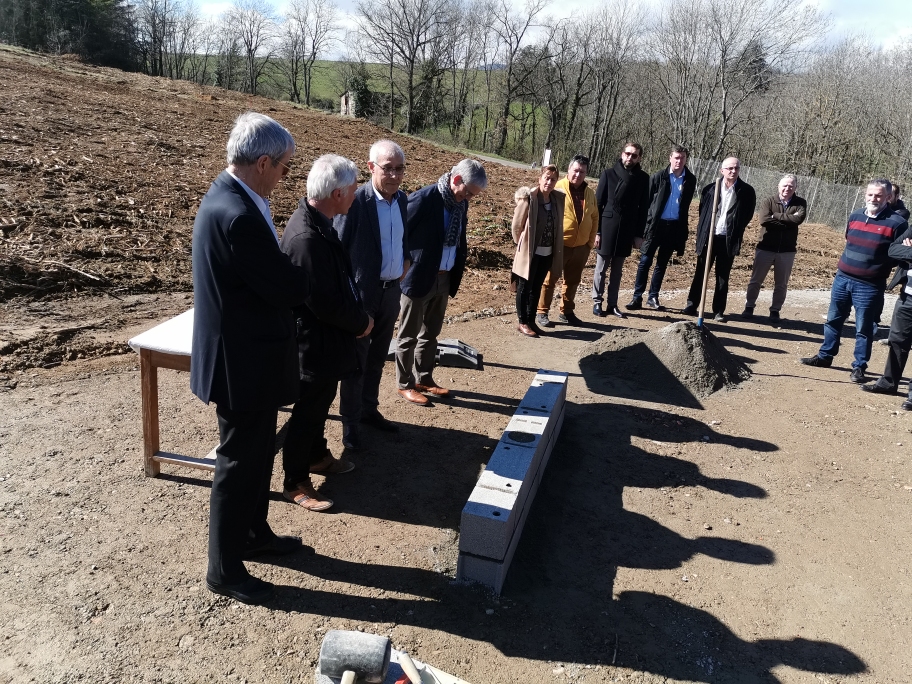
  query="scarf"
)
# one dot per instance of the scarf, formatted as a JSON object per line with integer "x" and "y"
{"x": 457, "y": 210}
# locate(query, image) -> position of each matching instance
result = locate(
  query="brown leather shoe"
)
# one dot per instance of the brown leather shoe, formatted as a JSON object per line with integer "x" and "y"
{"x": 414, "y": 396}
{"x": 526, "y": 330}
{"x": 434, "y": 389}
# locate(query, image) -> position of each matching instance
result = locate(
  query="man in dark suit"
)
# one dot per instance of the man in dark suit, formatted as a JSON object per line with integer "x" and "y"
{"x": 623, "y": 200}
{"x": 373, "y": 233}
{"x": 327, "y": 324}
{"x": 671, "y": 191}
{"x": 436, "y": 237}
{"x": 244, "y": 354}
{"x": 737, "y": 201}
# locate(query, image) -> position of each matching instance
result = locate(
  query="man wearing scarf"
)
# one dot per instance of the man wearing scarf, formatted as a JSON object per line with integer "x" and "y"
{"x": 436, "y": 237}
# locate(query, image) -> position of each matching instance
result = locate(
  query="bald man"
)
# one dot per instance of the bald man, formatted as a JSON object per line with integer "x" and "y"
{"x": 737, "y": 201}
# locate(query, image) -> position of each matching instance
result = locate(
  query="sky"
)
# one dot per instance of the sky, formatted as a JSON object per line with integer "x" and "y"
{"x": 886, "y": 22}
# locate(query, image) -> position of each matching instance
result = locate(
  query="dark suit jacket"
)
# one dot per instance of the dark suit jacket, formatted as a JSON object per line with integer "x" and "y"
{"x": 739, "y": 215}
{"x": 424, "y": 235}
{"x": 659, "y": 192}
{"x": 359, "y": 232}
{"x": 332, "y": 315}
{"x": 623, "y": 200}
{"x": 244, "y": 355}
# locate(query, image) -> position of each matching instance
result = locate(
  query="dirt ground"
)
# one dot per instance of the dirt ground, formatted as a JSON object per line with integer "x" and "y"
{"x": 755, "y": 535}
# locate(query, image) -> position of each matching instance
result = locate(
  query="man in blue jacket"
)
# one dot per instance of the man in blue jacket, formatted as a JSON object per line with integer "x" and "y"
{"x": 436, "y": 237}
{"x": 244, "y": 356}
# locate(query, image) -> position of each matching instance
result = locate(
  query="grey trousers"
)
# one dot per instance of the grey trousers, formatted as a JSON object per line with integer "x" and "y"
{"x": 362, "y": 392}
{"x": 782, "y": 263}
{"x": 420, "y": 323}
{"x": 615, "y": 266}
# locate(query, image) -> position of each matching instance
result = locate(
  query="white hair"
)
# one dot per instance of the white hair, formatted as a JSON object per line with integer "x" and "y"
{"x": 471, "y": 172}
{"x": 387, "y": 146}
{"x": 330, "y": 172}
{"x": 790, "y": 176}
{"x": 255, "y": 135}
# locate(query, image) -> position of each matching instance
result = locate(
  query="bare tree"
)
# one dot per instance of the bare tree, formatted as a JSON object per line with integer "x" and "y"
{"x": 308, "y": 31}
{"x": 255, "y": 27}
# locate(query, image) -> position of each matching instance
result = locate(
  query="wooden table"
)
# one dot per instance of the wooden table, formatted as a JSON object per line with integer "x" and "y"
{"x": 167, "y": 345}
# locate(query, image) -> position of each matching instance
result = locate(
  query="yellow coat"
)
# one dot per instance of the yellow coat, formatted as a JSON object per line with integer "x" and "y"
{"x": 580, "y": 233}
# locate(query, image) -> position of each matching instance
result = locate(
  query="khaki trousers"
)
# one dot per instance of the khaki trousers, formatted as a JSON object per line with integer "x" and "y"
{"x": 575, "y": 259}
{"x": 781, "y": 263}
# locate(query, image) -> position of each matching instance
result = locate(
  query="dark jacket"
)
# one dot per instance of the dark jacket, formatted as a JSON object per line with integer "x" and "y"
{"x": 359, "y": 232}
{"x": 244, "y": 355}
{"x": 332, "y": 316}
{"x": 899, "y": 207}
{"x": 779, "y": 229}
{"x": 623, "y": 201}
{"x": 424, "y": 236}
{"x": 739, "y": 215}
{"x": 903, "y": 256}
{"x": 657, "y": 231}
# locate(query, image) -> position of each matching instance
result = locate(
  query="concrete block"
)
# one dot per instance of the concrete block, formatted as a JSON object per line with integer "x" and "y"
{"x": 488, "y": 520}
{"x": 507, "y": 469}
{"x": 545, "y": 392}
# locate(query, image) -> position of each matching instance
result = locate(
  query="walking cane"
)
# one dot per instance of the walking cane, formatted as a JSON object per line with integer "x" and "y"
{"x": 709, "y": 250}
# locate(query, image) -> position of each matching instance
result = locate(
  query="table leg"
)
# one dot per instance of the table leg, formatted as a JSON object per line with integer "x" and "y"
{"x": 149, "y": 376}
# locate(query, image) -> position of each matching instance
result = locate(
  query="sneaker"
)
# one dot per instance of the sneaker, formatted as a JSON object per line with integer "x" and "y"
{"x": 858, "y": 375}
{"x": 816, "y": 361}
{"x": 877, "y": 388}
{"x": 635, "y": 303}
{"x": 617, "y": 312}
{"x": 748, "y": 312}
{"x": 774, "y": 315}
{"x": 653, "y": 303}
{"x": 570, "y": 318}
{"x": 720, "y": 317}
{"x": 542, "y": 321}
{"x": 906, "y": 405}
{"x": 597, "y": 310}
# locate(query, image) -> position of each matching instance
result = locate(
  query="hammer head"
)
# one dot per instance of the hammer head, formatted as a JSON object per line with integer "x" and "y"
{"x": 367, "y": 655}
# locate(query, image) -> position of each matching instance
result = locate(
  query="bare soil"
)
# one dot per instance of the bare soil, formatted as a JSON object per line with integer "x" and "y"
{"x": 757, "y": 534}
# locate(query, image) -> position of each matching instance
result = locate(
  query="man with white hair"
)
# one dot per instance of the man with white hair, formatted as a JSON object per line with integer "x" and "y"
{"x": 436, "y": 236}
{"x": 327, "y": 324}
{"x": 373, "y": 233}
{"x": 244, "y": 357}
{"x": 861, "y": 278}
{"x": 780, "y": 216}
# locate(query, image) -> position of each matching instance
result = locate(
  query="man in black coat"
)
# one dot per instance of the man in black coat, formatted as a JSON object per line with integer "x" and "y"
{"x": 623, "y": 201}
{"x": 373, "y": 233}
{"x": 436, "y": 237}
{"x": 737, "y": 201}
{"x": 327, "y": 324}
{"x": 671, "y": 191}
{"x": 244, "y": 356}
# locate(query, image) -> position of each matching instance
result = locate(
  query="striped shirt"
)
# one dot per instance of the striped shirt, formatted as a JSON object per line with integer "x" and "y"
{"x": 867, "y": 241}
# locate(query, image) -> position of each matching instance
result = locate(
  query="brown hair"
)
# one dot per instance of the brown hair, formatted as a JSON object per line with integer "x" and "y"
{"x": 636, "y": 146}
{"x": 550, "y": 168}
{"x": 680, "y": 149}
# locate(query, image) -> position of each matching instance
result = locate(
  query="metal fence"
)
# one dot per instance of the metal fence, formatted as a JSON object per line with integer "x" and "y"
{"x": 828, "y": 203}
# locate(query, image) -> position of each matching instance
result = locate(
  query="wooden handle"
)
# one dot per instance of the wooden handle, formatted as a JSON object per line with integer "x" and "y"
{"x": 405, "y": 662}
{"x": 348, "y": 677}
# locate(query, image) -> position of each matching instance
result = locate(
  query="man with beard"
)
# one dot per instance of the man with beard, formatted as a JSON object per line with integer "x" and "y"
{"x": 623, "y": 201}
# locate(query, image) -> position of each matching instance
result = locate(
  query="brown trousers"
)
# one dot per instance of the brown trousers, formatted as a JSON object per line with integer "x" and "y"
{"x": 575, "y": 259}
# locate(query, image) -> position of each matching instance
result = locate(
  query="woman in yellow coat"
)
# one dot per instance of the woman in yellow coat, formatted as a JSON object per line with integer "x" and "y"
{"x": 538, "y": 233}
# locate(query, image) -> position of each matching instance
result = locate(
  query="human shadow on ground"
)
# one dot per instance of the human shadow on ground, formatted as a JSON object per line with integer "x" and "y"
{"x": 732, "y": 342}
{"x": 635, "y": 372}
{"x": 558, "y": 602}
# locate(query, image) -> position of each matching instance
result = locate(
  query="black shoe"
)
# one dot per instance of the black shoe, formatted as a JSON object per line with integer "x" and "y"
{"x": 542, "y": 321}
{"x": 375, "y": 419}
{"x": 858, "y": 375}
{"x": 774, "y": 315}
{"x": 252, "y": 591}
{"x": 816, "y": 361}
{"x": 597, "y": 310}
{"x": 617, "y": 312}
{"x": 748, "y": 312}
{"x": 635, "y": 303}
{"x": 279, "y": 545}
{"x": 351, "y": 438}
{"x": 906, "y": 405}
{"x": 653, "y": 303}
{"x": 570, "y": 318}
{"x": 720, "y": 317}
{"x": 876, "y": 388}
{"x": 689, "y": 310}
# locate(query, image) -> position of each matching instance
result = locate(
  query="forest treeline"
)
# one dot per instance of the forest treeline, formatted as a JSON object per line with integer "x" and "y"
{"x": 744, "y": 77}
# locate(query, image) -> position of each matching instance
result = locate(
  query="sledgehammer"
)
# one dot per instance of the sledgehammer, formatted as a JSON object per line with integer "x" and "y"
{"x": 349, "y": 657}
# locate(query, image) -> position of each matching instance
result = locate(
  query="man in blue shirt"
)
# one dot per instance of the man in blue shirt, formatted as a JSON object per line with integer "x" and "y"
{"x": 373, "y": 233}
{"x": 436, "y": 237}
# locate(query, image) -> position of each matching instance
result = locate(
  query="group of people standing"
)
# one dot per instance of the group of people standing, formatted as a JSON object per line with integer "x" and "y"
{"x": 632, "y": 209}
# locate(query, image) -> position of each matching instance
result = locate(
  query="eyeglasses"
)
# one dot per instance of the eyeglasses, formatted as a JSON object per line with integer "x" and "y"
{"x": 632, "y": 155}
{"x": 730, "y": 168}
{"x": 390, "y": 170}
{"x": 286, "y": 169}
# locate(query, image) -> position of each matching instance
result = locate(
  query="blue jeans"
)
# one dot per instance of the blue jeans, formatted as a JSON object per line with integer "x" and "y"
{"x": 867, "y": 298}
